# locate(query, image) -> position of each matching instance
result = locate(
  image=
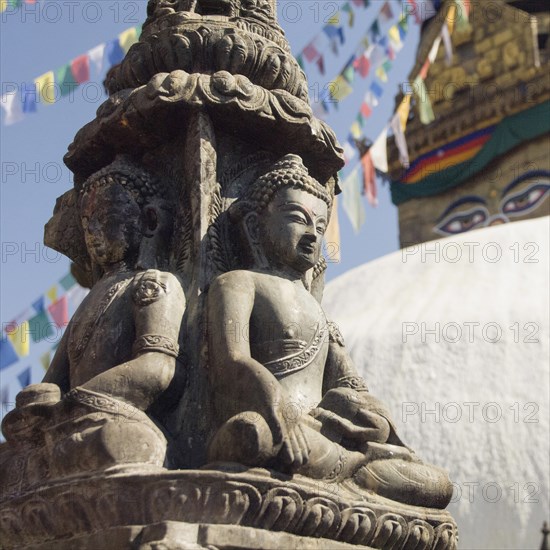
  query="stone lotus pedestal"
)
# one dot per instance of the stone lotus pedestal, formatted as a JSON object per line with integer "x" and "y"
{"x": 205, "y": 103}
{"x": 145, "y": 507}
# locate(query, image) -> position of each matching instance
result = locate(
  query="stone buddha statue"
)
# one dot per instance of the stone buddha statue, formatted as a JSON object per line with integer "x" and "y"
{"x": 286, "y": 392}
{"x": 117, "y": 368}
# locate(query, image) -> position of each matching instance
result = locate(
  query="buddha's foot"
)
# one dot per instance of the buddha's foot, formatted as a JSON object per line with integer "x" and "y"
{"x": 406, "y": 481}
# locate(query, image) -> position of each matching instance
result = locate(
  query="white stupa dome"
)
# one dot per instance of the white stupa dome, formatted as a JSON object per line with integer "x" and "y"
{"x": 454, "y": 336}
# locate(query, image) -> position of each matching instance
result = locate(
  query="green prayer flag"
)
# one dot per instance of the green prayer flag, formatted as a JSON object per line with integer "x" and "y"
{"x": 40, "y": 327}
{"x": 300, "y": 60}
{"x": 65, "y": 80}
{"x": 68, "y": 281}
{"x": 45, "y": 360}
{"x": 349, "y": 74}
{"x": 423, "y": 101}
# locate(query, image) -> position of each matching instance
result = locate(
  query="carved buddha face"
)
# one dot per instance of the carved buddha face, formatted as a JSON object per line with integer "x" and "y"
{"x": 290, "y": 230}
{"x": 112, "y": 224}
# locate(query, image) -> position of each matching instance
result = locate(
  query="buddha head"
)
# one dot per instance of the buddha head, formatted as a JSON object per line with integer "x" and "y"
{"x": 123, "y": 216}
{"x": 284, "y": 216}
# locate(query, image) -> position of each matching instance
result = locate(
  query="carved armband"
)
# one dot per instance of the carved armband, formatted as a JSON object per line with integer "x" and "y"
{"x": 354, "y": 382}
{"x": 335, "y": 336}
{"x": 148, "y": 288}
{"x": 155, "y": 343}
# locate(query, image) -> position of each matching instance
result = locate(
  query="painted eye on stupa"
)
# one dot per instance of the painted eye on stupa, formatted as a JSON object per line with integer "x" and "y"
{"x": 526, "y": 201}
{"x": 460, "y": 222}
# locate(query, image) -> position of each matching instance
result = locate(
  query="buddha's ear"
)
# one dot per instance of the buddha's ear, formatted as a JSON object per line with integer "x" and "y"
{"x": 151, "y": 219}
{"x": 252, "y": 226}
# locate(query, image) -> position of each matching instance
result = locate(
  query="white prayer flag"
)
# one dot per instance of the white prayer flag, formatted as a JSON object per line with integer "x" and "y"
{"x": 11, "y": 104}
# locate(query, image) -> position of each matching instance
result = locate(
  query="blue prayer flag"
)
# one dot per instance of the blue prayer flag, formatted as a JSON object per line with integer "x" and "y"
{"x": 7, "y": 354}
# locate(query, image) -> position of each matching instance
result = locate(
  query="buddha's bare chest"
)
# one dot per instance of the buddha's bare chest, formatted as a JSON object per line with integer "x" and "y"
{"x": 285, "y": 311}
{"x": 102, "y": 330}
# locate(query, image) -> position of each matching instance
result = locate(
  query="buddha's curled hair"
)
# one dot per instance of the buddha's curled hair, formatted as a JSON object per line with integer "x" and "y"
{"x": 138, "y": 182}
{"x": 287, "y": 172}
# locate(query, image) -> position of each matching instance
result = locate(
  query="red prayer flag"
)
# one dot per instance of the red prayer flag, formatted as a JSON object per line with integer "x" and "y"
{"x": 369, "y": 182}
{"x": 310, "y": 52}
{"x": 366, "y": 111}
{"x": 80, "y": 68}
{"x": 424, "y": 70}
{"x": 362, "y": 65}
{"x": 321, "y": 64}
{"x": 59, "y": 311}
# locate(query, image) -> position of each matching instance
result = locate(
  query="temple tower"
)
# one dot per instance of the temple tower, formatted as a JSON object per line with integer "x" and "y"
{"x": 483, "y": 160}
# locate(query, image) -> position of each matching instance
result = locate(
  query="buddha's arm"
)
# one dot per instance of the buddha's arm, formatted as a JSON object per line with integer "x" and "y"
{"x": 240, "y": 382}
{"x": 59, "y": 369}
{"x": 340, "y": 372}
{"x": 154, "y": 370}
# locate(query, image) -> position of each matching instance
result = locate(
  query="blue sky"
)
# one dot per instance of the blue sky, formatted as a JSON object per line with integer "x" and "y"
{"x": 44, "y": 37}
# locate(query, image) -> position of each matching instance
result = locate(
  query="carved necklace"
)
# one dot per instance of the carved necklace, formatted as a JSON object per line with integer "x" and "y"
{"x": 100, "y": 310}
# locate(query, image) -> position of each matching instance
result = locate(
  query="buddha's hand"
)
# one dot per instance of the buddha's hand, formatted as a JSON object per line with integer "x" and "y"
{"x": 347, "y": 414}
{"x": 288, "y": 434}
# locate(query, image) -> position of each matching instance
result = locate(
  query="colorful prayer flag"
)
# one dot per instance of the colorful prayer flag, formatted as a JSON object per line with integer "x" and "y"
{"x": 362, "y": 65}
{"x": 7, "y": 354}
{"x": 45, "y": 85}
{"x": 65, "y": 80}
{"x": 379, "y": 151}
{"x": 385, "y": 13}
{"x": 127, "y": 39}
{"x": 11, "y": 104}
{"x": 321, "y": 64}
{"x": 40, "y": 327}
{"x": 60, "y": 312}
{"x": 80, "y": 68}
{"x": 369, "y": 179}
{"x": 38, "y": 305}
{"x": 395, "y": 38}
{"x": 352, "y": 203}
{"x": 349, "y": 151}
{"x": 400, "y": 140}
{"x": 423, "y": 101}
{"x": 351, "y": 14}
{"x": 114, "y": 52}
{"x": 356, "y": 130}
{"x": 332, "y": 235}
{"x": 68, "y": 281}
{"x": 19, "y": 339}
{"x": 30, "y": 99}
{"x": 381, "y": 74}
{"x": 24, "y": 377}
{"x": 339, "y": 88}
{"x": 52, "y": 293}
{"x": 366, "y": 111}
{"x": 45, "y": 360}
{"x": 96, "y": 56}
{"x": 403, "y": 111}
{"x": 310, "y": 52}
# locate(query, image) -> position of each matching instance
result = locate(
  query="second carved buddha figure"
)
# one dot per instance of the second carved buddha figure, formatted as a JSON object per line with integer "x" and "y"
{"x": 287, "y": 394}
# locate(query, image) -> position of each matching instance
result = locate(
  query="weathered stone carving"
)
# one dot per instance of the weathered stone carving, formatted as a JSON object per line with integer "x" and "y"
{"x": 199, "y": 397}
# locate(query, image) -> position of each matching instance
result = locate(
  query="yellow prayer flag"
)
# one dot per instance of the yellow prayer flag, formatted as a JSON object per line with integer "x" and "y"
{"x": 403, "y": 111}
{"x": 339, "y": 88}
{"x": 52, "y": 293}
{"x": 45, "y": 85}
{"x": 355, "y": 130}
{"x": 335, "y": 19}
{"x": 393, "y": 33}
{"x": 3, "y": 5}
{"x": 451, "y": 18}
{"x": 45, "y": 360}
{"x": 127, "y": 38}
{"x": 20, "y": 339}
{"x": 332, "y": 235}
{"x": 381, "y": 74}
